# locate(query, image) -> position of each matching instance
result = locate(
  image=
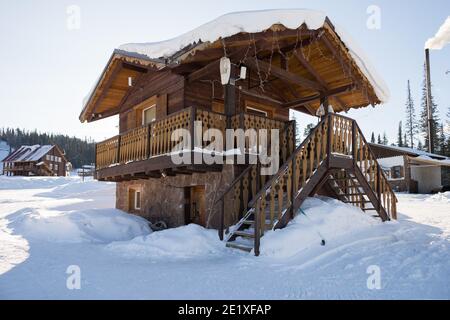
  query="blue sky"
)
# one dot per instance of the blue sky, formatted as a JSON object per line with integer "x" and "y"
{"x": 47, "y": 69}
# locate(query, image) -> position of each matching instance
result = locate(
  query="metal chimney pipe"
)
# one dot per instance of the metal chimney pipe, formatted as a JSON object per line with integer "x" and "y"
{"x": 429, "y": 114}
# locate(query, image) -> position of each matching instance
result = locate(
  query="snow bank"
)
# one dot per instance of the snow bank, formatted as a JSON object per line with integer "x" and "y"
{"x": 325, "y": 216}
{"x": 77, "y": 187}
{"x": 182, "y": 242}
{"x": 12, "y": 183}
{"x": 94, "y": 225}
{"x": 253, "y": 22}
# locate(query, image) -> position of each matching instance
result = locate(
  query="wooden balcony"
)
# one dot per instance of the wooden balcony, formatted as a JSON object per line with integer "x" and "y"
{"x": 146, "y": 151}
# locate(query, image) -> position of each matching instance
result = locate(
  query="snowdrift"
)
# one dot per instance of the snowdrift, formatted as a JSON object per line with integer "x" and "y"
{"x": 14, "y": 183}
{"x": 182, "y": 242}
{"x": 325, "y": 217}
{"x": 94, "y": 225}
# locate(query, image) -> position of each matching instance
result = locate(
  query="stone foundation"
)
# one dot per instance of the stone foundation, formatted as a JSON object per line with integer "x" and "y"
{"x": 164, "y": 199}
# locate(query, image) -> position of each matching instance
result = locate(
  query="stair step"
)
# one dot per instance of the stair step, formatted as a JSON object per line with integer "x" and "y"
{"x": 365, "y": 201}
{"x": 252, "y": 222}
{"x": 366, "y": 209}
{"x": 239, "y": 246}
{"x": 242, "y": 233}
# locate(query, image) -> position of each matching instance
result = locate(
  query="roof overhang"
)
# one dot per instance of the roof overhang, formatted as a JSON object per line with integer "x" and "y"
{"x": 113, "y": 84}
{"x": 319, "y": 52}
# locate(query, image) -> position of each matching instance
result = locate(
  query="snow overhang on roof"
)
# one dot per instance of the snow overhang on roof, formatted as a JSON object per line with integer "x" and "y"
{"x": 176, "y": 49}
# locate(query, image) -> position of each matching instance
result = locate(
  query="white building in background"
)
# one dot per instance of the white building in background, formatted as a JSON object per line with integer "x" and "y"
{"x": 413, "y": 170}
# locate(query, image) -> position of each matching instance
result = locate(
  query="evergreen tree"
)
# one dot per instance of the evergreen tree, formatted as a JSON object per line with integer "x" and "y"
{"x": 405, "y": 140}
{"x": 420, "y": 145}
{"x": 372, "y": 138}
{"x": 385, "y": 139}
{"x": 400, "y": 135}
{"x": 308, "y": 129}
{"x": 379, "y": 141}
{"x": 441, "y": 141}
{"x": 424, "y": 119}
{"x": 411, "y": 125}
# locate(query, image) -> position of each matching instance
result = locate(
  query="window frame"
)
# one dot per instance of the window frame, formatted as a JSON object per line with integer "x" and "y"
{"x": 135, "y": 203}
{"x": 143, "y": 114}
{"x": 257, "y": 110}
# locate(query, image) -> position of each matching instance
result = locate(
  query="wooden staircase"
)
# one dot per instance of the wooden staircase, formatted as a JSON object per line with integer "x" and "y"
{"x": 335, "y": 160}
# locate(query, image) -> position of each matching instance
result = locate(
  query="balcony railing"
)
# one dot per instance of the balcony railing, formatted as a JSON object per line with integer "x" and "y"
{"x": 155, "y": 139}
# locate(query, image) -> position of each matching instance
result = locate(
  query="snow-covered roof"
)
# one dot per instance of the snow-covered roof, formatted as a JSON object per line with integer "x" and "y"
{"x": 431, "y": 161}
{"x": 411, "y": 151}
{"x": 29, "y": 153}
{"x": 253, "y": 22}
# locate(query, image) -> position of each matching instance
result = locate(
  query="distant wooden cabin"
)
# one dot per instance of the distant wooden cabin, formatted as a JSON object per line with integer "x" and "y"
{"x": 37, "y": 160}
{"x": 281, "y": 60}
{"x": 411, "y": 170}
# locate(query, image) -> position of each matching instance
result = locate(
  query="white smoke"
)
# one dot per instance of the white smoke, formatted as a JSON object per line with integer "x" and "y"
{"x": 442, "y": 37}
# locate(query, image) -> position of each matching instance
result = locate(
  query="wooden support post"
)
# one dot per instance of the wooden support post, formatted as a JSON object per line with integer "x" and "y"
{"x": 294, "y": 170}
{"x": 257, "y": 227}
{"x": 230, "y": 102}
{"x": 192, "y": 129}
{"x": 222, "y": 219}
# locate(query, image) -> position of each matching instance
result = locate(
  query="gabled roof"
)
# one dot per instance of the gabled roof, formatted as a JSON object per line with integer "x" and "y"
{"x": 345, "y": 65}
{"x": 30, "y": 153}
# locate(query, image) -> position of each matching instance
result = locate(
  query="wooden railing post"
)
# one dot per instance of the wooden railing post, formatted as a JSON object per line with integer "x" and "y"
{"x": 379, "y": 187}
{"x": 149, "y": 141}
{"x": 329, "y": 133}
{"x": 354, "y": 150}
{"x": 118, "y": 149}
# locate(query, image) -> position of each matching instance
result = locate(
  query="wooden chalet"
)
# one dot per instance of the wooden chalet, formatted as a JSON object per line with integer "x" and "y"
{"x": 411, "y": 170}
{"x": 294, "y": 59}
{"x": 37, "y": 160}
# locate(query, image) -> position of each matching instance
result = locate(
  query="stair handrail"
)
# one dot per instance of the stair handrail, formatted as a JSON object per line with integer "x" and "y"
{"x": 380, "y": 172}
{"x": 246, "y": 171}
{"x": 255, "y": 203}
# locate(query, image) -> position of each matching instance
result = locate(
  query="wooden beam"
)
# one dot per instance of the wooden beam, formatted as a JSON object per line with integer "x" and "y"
{"x": 329, "y": 93}
{"x": 283, "y": 74}
{"x": 300, "y": 57}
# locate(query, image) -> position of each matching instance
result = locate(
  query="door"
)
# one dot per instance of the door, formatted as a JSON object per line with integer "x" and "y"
{"x": 197, "y": 205}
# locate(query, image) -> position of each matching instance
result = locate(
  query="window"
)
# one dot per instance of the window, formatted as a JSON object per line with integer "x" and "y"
{"x": 148, "y": 115}
{"x": 47, "y": 157}
{"x": 137, "y": 200}
{"x": 256, "y": 112}
{"x": 134, "y": 199}
{"x": 397, "y": 172}
{"x": 56, "y": 167}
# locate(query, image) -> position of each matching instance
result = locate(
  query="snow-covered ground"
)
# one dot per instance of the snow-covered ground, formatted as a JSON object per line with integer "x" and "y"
{"x": 49, "y": 224}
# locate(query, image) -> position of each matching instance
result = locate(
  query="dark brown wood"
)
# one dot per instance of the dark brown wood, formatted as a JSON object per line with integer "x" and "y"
{"x": 294, "y": 78}
{"x": 318, "y": 97}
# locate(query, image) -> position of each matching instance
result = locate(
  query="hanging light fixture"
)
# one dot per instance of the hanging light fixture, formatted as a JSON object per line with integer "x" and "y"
{"x": 225, "y": 70}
